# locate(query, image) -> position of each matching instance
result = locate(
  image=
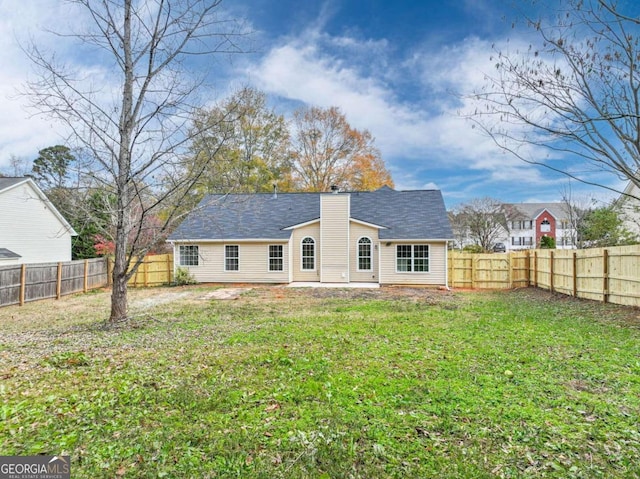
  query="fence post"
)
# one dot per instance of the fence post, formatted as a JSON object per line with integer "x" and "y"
{"x": 535, "y": 269}
{"x": 551, "y": 270}
{"x": 575, "y": 274}
{"x": 23, "y": 283}
{"x": 85, "y": 282}
{"x": 510, "y": 266}
{"x": 605, "y": 275}
{"x": 473, "y": 271}
{"x": 59, "y": 282}
{"x": 109, "y": 276}
{"x": 145, "y": 271}
{"x": 170, "y": 269}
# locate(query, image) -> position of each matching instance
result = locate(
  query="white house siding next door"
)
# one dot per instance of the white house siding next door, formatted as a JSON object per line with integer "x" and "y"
{"x": 334, "y": 238}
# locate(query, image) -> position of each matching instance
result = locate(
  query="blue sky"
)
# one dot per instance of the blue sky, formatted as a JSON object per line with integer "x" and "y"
{"x": 393, "y": 68}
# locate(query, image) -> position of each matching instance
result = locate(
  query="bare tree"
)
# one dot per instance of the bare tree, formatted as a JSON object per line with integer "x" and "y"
{"x": 18, "y": 166}
{"x": 575, "y": 92}
{"x": 482, "y": 221}
{"x": 134, "y": 121}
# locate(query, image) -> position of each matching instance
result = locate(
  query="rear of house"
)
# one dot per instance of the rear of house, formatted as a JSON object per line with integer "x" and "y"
{"x": 384, "y": 236}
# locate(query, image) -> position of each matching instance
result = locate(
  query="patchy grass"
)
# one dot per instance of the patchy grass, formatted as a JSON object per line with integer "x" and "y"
{"x": 325, "y": 383}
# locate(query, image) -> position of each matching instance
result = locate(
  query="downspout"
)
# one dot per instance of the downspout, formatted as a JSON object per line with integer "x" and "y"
{"x": 446, "y": 269}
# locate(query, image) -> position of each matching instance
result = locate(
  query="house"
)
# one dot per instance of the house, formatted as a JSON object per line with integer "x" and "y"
{"x": 628, "y": 207}
{"x": 31, "y": 229}
{"x": 383, "y": 236}
{"x": 529, "y": 222}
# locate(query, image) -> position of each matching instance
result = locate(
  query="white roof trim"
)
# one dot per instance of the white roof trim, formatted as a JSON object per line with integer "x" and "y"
{"x": 300, "y": 225}
{"x": 364, "y": 223}
{"x": 544, "y": 208}
{"x": 230, "y": 240}
{"x": 408, "y": 241}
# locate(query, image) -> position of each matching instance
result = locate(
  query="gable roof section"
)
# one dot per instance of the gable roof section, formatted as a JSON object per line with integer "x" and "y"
{"x": 7, "y": 184}
{"x": 405, "y": 215}
{"x": 8, "y": 254}
{"x": 529, "y": 211}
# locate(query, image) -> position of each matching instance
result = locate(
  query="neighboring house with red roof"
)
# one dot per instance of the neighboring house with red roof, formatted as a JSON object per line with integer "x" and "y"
{"x": 383, "y": 236}
{"x": 32, "y": 230}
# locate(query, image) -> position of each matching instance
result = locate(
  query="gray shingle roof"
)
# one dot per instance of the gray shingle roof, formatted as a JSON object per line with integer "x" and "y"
{"x": 528, "y": 211}
{"x": 8, "y": 254}
{"x": 407, "y": 215}
{"x": 7, "y": 182}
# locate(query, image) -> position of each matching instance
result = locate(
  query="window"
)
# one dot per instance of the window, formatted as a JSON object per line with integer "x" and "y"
{"x": 276, "y": 261}
{"x": 188, "y": 255}
{"x": 412, "y": 258}
{"x": 308, "y": 254}
{"x": 545, "y": 226}
{"x": 231, "y": 258}
{"x": 521, "y": 241}
{"x": 364, "y": 254}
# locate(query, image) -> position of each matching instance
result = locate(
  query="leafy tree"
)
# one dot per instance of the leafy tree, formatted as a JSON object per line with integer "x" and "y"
{"x": 481, "y": 221}
{"x": 327, "y": 151}
{"x": 134, "y": 122}
{"x": 574, "y": 91}
{"x": 603, "y": 227}
{"x": 53, "y": 166}
{"x": 244, "y": 144}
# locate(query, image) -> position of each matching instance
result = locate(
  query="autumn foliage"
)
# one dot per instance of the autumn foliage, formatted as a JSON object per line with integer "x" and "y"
{"x": 327, "y": 151}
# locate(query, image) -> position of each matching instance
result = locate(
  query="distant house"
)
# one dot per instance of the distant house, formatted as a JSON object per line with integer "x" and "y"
{"x": 383, "y": 236}
{"x": 628, "y": 207}
{"x": 31, "y": 229}
{"x": 529, "y": 222}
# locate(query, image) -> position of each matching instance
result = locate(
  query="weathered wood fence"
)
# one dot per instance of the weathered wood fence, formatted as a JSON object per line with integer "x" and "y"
{"x": 31, "y": 282}
{"x": 601, "y": 274}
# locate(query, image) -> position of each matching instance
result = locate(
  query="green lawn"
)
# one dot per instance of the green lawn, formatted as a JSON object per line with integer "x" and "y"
{"x": 286, "y": 383}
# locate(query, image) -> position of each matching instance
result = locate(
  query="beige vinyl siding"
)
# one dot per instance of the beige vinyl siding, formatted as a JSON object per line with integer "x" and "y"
{"x": 359, "y": 231}
{"x": 334, "y": 237}
{"x": 437, "y": 264}
{"x": 253, "y": 261}
{"x": 313, "y": 231}
{"x": 30, "y": 228}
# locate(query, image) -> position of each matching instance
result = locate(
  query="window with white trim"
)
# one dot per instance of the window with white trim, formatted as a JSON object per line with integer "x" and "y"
{"x": 412, "y": 258}
{"x": 364, "y": 254}
{"x": 231, "y": 258}
{"x": 545, "y": 226}
{"x": 276, "y": 257}
{"x": 189, "y": 255}
{"x": 308, "y": 254}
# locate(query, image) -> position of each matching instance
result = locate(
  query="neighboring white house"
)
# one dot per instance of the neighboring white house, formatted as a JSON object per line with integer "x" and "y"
{"x": 31, "y": 228}
{"x": 628, "y": 207}
{"x": 529, "y": 222}
{"x": 383, "y": 236}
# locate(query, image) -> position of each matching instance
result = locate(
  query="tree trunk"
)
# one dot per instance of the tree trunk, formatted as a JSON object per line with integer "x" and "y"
{"x": 118, "y": 298}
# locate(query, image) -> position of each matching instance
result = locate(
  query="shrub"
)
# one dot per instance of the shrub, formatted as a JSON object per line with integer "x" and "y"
{"x": 547, "y": 242}
{"x": 473, "y": 248}
{"x": 183, "y": 277}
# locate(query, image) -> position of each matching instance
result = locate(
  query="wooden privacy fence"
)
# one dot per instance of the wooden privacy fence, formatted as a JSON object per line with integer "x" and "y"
{"x": 155, "y": 270}
{"x": 601, "y": 274}
{"x": 31, "y": 282}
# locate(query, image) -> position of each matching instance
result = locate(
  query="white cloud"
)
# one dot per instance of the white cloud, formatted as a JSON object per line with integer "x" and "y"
{"x": 421, "y": 126}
